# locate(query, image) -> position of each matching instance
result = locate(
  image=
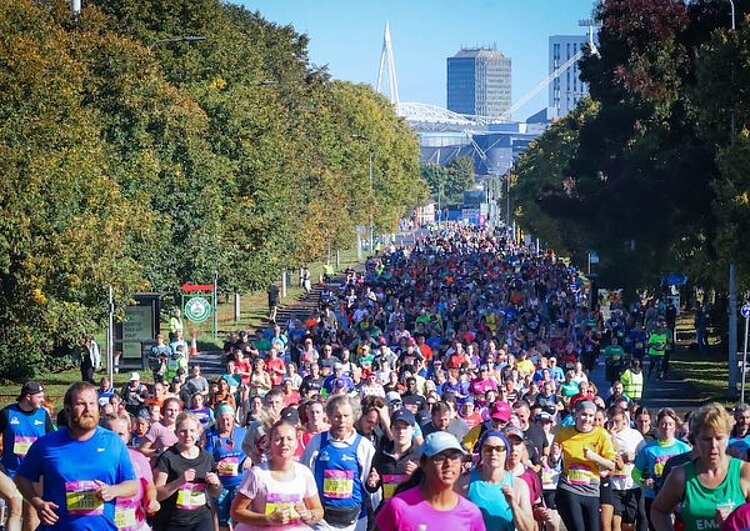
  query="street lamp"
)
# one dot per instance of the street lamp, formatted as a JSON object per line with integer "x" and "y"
{"x": 732, "y": 273}
{"x": 75, "y": 10}
{"x": 372, "y": 155}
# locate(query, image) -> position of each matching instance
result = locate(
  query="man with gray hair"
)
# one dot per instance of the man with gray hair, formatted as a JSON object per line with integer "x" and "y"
{"x": 341, "y": 459}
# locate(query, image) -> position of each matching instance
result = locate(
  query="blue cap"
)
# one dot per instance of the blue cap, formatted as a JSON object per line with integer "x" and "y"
{"x": 403, "y": 415}
{"x": 440, "y": 441}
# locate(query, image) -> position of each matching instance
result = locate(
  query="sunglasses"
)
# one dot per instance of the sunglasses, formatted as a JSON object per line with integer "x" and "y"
{"x": 442, "y": 457}
{"x": 487, "y": 448}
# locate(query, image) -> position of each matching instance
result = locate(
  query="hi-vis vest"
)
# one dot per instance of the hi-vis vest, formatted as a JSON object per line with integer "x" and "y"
{"x": 632, "y": 384}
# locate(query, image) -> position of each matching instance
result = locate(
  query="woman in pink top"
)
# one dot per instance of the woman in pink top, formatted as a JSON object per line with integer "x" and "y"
{"x": 161, "y": 435}
{"x": 428, "y": 498}
{"x": 130, "y": 513}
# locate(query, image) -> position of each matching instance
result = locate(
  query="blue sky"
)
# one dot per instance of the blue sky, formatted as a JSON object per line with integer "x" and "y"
{"x": 348, "y": 37}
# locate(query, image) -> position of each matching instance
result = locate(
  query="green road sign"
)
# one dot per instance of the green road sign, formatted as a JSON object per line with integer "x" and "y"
{"x": 197, "y": 309}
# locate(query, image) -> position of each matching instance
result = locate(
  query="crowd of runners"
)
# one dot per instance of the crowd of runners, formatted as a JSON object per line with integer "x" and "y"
{"x": 447, "y": 387}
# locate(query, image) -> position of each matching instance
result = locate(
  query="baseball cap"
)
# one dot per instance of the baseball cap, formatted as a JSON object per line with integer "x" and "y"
{"x": 30, "y": 388}
{"x": 338, "y": 367}
{"x": 403, "y": 415}
{"x": 392, "y": 396}
{"x": 440, "y": 441}
{"x": 411, "y": 400}
{"x": 500, "y": 411}
{"x": 512, "y": 431}
{"x": 134, "y": 376}
{"x": 468, "y": 400}
{"x": 543, "y": 416}
{"x": 290, "y": 414}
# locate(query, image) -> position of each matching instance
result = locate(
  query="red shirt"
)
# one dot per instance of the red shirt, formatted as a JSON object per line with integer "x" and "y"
{"x": 473, "y": 420}
{"x": 244, "y": 367}
{"x": 277, "y": 369}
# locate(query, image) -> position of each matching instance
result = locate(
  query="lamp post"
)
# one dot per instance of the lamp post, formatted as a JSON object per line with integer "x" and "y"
{"x": 371, "y": 171}
{"x": 372, "y": 227}
{"x": 732, "y": 310}
{"x": 75, "y": 10}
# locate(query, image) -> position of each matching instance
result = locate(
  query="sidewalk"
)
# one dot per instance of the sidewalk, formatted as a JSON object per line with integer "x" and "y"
{"x": 671, "y": 392}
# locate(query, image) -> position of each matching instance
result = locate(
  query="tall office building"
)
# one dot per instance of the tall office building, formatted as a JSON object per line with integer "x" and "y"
{"x": 566, "y": 90}
{"x": 479, "y": 82}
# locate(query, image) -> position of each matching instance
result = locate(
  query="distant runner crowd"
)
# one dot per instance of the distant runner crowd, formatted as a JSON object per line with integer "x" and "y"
{"x": 449, "y": 386}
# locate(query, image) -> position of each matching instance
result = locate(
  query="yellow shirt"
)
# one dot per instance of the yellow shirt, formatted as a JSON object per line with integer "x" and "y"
{"x": 471, "y": 438}
{"x": 581, "y": 475}
{"x": 526, "y": 366}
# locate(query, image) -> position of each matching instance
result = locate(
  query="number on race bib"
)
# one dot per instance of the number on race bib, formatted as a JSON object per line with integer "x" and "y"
{"x": 21, "y": 445}
{"x": 229, "y": 467}
{"x": 191, "y": 496}
{"x": 81, "y": 498}
{"x": 338, "y": 484}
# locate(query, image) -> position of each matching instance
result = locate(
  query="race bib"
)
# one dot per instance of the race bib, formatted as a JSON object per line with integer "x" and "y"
{"x": 276, "y": 501}
{"x": 549, "y": 478}
{"x": 390, "y": 482}
{"x": 81, "y": 498}
{"x": 579, "y": 475}
{"x": 21, "y": 445}
{"x": 125, "y": 514}
{"x": 191, "y": 496}
{"x": 229, "y": 466}
{"x": 624, "y": 472}
{"x": 338, "y": 484}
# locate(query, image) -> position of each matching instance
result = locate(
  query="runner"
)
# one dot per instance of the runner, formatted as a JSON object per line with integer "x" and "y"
{"x": 708, "y": 488}
{"x": 21, "y": 424}
{"x": 162, "y": 434}
{"x": 341, "y": 460}
{"x": 83, "y": 468}
{"x": 280, "y": 493}
{"x": 427, "y": 500}
{"x": 625, "y": 491}
{"x": 396, "y": 460}
{"x": 650, "y": 461}
{"x": 585, "y": 451}
{"x": 504, "y": 500}
{"x": 224, "y": 442}
{"x": 131, "y": 513}
{"x": 185, "y": 477}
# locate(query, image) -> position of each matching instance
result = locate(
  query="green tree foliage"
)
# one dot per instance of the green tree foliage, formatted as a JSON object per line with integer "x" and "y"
{"x": 131, "y": 158}
{"x": 65, "y": 220}
{"x": 643, "y": 178}
{"x": 450, "y": 181}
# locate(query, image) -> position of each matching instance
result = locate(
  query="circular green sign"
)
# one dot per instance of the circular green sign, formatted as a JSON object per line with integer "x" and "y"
{"x": 197, "y": 309}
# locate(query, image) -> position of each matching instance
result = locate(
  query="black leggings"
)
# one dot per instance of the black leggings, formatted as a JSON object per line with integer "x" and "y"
{"x": 205, "y": 523}
{"x": 580, "y": 513}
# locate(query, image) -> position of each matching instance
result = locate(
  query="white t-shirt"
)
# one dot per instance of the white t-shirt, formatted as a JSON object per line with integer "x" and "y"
{"x": 267, "y": 493}
{"x": 630, "y": 441}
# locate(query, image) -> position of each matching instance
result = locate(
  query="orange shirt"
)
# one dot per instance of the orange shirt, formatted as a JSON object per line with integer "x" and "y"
{"x": 426, "y": 351}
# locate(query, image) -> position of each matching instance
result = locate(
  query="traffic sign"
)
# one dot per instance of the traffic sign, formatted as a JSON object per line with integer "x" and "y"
{"x": 745, "y": 311}
{"x": 197, "y": 309}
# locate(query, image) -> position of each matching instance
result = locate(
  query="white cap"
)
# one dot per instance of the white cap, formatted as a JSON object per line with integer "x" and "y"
{"x": 134, "y": 376}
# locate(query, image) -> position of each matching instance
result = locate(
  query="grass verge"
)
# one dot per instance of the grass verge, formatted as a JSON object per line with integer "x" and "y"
{"x": 254, "y": 310}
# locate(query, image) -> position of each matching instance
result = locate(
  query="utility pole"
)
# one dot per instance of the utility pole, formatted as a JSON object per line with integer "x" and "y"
{"x": 732, "y": 276}
{"x": 372, "y": 227}
{"x": 111, "y": 336}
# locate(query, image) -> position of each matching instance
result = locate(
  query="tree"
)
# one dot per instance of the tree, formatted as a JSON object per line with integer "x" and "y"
{"x": 65, "y": 220}
{"x": 450, "y": 181}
